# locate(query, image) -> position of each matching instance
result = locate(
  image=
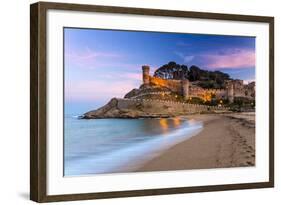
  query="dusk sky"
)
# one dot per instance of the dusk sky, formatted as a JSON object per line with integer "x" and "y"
{"x": 101, "y": 64}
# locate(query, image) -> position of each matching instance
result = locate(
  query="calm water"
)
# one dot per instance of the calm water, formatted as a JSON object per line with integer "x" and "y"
{"x": 119, "y": 145}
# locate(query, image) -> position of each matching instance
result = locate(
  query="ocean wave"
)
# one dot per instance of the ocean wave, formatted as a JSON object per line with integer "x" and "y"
{"x": 133, "y": 156}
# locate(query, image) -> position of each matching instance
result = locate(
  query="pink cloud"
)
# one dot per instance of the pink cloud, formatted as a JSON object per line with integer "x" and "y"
{"x": 237, "y": 59}
{"x": 133, "y": 76}
{"x": 97, "y": 90}
{"x": 104, "y": 87}
{"x": 123, "y": 76}
{"x": 88, "y": 56}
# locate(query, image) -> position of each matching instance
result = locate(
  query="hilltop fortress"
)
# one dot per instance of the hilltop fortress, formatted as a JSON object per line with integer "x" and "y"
{"x": 161, "y": 97}
{"x": 187, "y": 89}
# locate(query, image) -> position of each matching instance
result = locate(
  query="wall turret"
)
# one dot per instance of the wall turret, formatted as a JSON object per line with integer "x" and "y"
{"x": 185, "y": 89}
{"x": 145, "y": 74}
{"x": 230, "y": 92}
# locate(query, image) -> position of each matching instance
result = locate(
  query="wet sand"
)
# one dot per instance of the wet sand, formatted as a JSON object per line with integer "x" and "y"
{"x": 227, "y": 140}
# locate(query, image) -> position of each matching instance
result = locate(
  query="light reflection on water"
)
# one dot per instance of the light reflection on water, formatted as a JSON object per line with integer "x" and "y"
{"x": 164, "y": 124}
{"x": 176, "y": 121}
{"x": 108, "y": 145}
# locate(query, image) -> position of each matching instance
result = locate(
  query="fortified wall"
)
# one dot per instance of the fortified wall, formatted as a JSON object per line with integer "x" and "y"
{"x": 164, "y": 107}
{"x": 147, "y": 108}
{"x": 234, "y": 88}
{"x": 196, "y": 91}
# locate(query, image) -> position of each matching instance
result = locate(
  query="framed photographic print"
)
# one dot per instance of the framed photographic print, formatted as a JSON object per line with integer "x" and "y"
{"x": 134, "y": 102}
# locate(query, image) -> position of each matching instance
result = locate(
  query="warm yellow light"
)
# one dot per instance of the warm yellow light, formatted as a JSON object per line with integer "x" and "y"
{"x": 207, "y": 96}
{"x": 176, "y": 121}
{"x": 164, "y": 124}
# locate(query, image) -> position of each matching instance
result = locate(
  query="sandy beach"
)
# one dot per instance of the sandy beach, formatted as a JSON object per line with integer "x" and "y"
{"x": 227, "y": 140}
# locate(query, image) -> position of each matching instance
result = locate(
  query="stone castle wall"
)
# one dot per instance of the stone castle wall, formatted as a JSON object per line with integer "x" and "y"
{"x": 196, "y": 91}
{"x": 147, "y": 108}
{"x": 164, "y": 107}
{"x": 173, "y": 85}
{"x": 234, "y": 88}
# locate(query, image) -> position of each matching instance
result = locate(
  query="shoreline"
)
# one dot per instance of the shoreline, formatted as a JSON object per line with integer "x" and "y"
{"x": 227, "y": 140}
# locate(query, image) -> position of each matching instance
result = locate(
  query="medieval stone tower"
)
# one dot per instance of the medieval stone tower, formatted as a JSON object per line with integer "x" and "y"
{"x": 185, "y": 89}
{"x": 145, "y": 74}
{"x": 230, "y": 92}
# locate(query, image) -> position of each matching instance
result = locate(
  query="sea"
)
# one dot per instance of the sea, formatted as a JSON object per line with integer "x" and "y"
{"x": 104, "y": 146}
